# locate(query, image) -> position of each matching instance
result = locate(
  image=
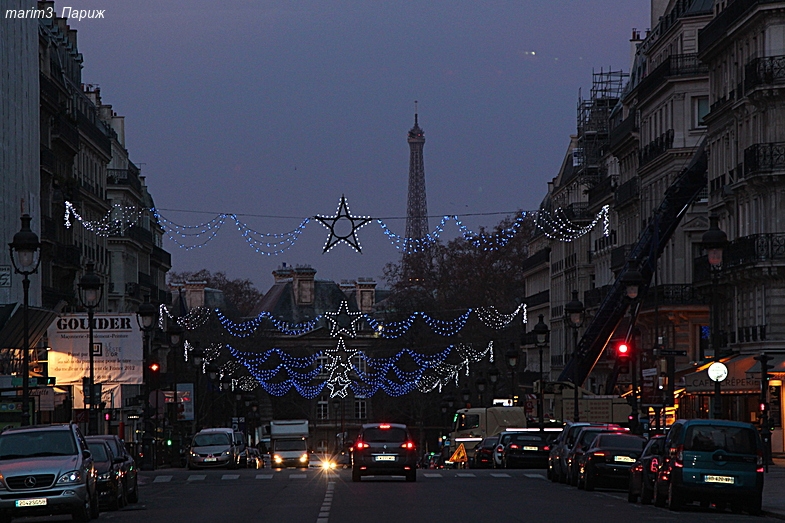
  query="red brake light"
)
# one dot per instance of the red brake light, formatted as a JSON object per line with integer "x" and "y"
{"x": 384, "y": 426}
{"x": 513, "y": 446}
{"x": 499, "y": 448}
{"x": 599, "y": 454}
{"x": 408, "y": 445}
{"x": 655, "y": 465}
{"x": 546, "y": 447}
{"x": 361, "y": 445}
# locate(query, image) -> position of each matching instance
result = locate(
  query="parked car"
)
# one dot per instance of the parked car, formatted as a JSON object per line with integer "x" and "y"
{"x": 557, "y": 457}
{"x": 47, "y": 470}
{"x": 528, "y": 449}
{"x": 711, "y": 461}
{"x": 213, "y": 448}
{"x": 483, "y": 452}
{"x": 609, "y": 459}
{"x": 239, "y": 448}
{"x": 583, "y": 440}
{"x": 644, "y": 471}
{"x": 129, "y": 471}
{"x": 384, "y": 448}
{"x": 109, "y": 474}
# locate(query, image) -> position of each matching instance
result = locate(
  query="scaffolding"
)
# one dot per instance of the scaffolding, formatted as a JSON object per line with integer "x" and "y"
{"x": 593, "y": 124}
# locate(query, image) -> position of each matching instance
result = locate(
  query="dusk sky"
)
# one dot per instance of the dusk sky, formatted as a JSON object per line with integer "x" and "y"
{"x": 272, "y": 110}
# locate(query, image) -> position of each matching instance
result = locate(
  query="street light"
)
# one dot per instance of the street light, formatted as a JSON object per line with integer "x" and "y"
{"x": 573, "y": 311}
{"x": 175, "y": 332}
{"x": 90, "y": 292}
{"x": 481, "y": 384}
{"x": 24, "y": 249}
{"x": 512, "y": 356}
{"x": 541, "y": 333}
{"x": 632, "y": 279}
{"x": 146, "y": 315}
{"x": 714, "y": 241}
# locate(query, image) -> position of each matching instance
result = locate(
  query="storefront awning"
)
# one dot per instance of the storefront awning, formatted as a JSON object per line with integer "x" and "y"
{"x": 777, "y": 362}
{"x": 12, "y": 325}
{"x": 737, "y": 382}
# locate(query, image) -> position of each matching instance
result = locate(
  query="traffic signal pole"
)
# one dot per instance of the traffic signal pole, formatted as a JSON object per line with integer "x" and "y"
{"x": 765, "y": 429}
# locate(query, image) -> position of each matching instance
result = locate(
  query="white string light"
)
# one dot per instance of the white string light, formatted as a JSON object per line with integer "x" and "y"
{"x": 114, "y": 222}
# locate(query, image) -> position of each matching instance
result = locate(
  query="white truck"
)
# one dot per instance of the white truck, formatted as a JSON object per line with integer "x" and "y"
{"x": 289, "y": 443}
{"x": 472, "y": 425}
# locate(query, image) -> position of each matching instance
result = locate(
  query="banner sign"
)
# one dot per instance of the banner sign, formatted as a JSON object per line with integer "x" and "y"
{"x": 117, "y": 349}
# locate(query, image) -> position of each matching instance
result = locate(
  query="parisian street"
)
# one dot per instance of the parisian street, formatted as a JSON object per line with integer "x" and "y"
{"x": 175, "y": 495}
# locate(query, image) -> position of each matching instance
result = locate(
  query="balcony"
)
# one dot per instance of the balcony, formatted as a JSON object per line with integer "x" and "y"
{"x": 538, "y": 299}
{"x": 744, "y": 252}
{"x": 48, "y": 161}
{"x": 675, "y": 294}
{"x": 763, "y": 158}
{"x": 764, "y": 71}
{"x": 95, "y": 132}
{"x": 655, "y": 148}
{"x": 622, "y": 131}
{"x": 716, "y": 29}
{"x": 125, "y": 177}
{"x": 578, "y": 211}
{"x": 627, "y": 193}
{"x": 601, "y": 190}
{"x": 161, "y": 256}
{"x": 538, "y": 258}
{"x": 678, "y": 65}
{"x": 593, "y": 297}
{"x": 619, "y": 256}
{"x": 139, "y": 234}
{"x": 65, "y": 131}
{"x": 145, "y": 280}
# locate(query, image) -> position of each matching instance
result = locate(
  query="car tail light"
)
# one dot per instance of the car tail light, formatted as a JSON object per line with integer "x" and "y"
{"x": 654, "y": 466}
{"x": 384, "y": 426}
{"x": 500, "y": 448}
{"x": 361, "y": 445}
{"x": 408, "y": 445}
{"x": 677, "y": 453}
{"x": 513, "y": 446}
{"x": 546, "y": 447}
{"x": 760, "y": 461}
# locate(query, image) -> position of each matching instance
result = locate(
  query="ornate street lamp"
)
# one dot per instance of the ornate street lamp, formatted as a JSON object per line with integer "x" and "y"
{"x": 90, "y": 293}
{"x": 574, "y": 312}
{"x": 714, "y": 241}
{"x": 25, "y": 257}
{"x": 512, "y": 356}
{"x": 146, "y": 316}
{"x": 541, "y": 333}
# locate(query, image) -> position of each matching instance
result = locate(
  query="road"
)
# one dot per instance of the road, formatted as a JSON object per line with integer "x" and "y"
{"x": 312, "y": 496}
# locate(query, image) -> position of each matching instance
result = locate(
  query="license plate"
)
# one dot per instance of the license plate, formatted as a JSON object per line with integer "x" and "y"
{"x": 38, "y": 502}
{"x": 531, "y": 448}
{"x": 624, "y": 459}
{"x": 720, "y": 479}
{"x": 211, "y": 459}
{"x": 385, "y": 458}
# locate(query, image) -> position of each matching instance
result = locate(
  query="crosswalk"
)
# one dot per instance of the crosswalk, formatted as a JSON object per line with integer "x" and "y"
{"x": 197, "y": 478}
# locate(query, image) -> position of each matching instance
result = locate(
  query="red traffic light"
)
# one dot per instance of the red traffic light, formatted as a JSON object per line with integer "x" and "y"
{"x": 623, "y": 350}
{"x": 154, "y": 367}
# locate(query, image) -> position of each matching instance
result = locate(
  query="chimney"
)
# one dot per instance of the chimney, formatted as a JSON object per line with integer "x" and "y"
{"x": 635, "y": 41}
{"x": 303, "y": 282}
{"x": 194, "y": 294}
{"x": 283, "y": 273}
{"x": 365, "y": 294}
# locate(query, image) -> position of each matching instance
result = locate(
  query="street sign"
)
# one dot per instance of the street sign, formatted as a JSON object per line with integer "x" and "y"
{"x": 667, "y": 352}
{"x": 649, "y": 372}
{"x": 459, "y": 456}
{"x": 5, "y": 275}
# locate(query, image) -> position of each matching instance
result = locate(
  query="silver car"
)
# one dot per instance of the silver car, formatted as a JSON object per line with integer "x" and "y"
{"x": 46, "y": 470}
{"x": 213, "y": 448}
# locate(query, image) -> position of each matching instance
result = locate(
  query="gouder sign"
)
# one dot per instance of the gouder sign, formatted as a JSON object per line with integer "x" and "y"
{"x": 117, "y": 349}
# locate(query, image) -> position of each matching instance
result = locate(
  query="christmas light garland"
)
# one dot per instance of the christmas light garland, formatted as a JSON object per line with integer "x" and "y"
{"x": 556, "y": 225}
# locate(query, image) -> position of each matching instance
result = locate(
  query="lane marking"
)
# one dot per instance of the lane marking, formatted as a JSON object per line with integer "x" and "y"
{"x": 264, "y": 476}
{"x": 324, "y": 512}
{"x": 466, "y": 475}
{"x": 162, "y": 479}
{"x": 535, "y": 476}
{"x": 230, "y": 476}
{"x": 432, "y": 475}
{"x": 197, "y": 477}
{"x": 499, "y": 475}
{"x": 298, "y": 476}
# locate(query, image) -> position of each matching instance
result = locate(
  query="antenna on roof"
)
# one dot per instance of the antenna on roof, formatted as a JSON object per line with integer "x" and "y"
{"x": 415, "y": 112}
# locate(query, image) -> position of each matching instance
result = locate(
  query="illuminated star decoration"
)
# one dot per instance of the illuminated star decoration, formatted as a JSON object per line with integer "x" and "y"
{"x": 342, "y": 214}
{"x": 338, "y": 367}
{"x": 343, "y": 321}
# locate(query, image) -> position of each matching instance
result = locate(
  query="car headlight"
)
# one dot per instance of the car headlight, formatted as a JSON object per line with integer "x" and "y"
{"x": 75, "y": 476}
{"x": 227, "y": 453}
{"x": 303, "y": 458}
{"x": 106, "y": 476}
{"x": 277, "y": 459}
{"x": 193, "y": 454}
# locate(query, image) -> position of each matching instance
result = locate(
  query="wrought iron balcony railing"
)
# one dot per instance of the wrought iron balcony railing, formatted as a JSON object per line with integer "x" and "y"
{"x": 715, "y": 30}
{"x": 656, "y": 147}
{"x": 764, "y": 158}
{"x": 538, "y": 258}
{"x": 766, "y": 70}
{"x": 627, "y": 192}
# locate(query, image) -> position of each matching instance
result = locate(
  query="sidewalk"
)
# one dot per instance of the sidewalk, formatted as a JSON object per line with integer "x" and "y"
{"x": 774, "y": 490}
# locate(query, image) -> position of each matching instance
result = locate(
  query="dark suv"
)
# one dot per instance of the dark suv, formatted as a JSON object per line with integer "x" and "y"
{"x": 384, "y": 448}
{"x": 130, "y": 481}
{"x": 46, "y": 470}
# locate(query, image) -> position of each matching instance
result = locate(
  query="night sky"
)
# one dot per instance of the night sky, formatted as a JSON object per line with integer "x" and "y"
{"x": 272, "y": 110}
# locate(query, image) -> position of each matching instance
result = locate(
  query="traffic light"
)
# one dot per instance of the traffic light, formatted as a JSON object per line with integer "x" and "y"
{"x": 154, "y": 368}
{"x": 623, "y": 357}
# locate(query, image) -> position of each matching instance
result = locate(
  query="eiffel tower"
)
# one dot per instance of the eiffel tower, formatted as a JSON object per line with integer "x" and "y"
{"x": 416, "y": 208}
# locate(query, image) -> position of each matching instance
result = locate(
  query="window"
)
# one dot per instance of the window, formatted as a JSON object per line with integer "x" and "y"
{"x": 322, "y": 409}
{"x": 321, "y": 446}
{"x": 360, "y": 409}
{"x": 700, "y": 108}
{"x": 359, "y": 364}
{"x": 322, "y": 363}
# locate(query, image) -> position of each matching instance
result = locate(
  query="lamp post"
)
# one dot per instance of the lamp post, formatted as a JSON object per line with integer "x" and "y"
{"x": 481, "y": 383}
{"x": 493, "y": 377}
{"x": 338, "y": 409}
{"x": 541, "y": 333}
{"x": 466, "y": 395}
{"x": 90, "y": 292}
{"x": 714, "y": 241}
{"x": 175, "y": 332}
{"x": 632, "y": 279}
{"x": 24, "y": 249}
{"x": 146, "y": 316}
{"x": 197, "y": 357}
{"x": 512, "y": 356}
{"x": 574, "y": 311}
